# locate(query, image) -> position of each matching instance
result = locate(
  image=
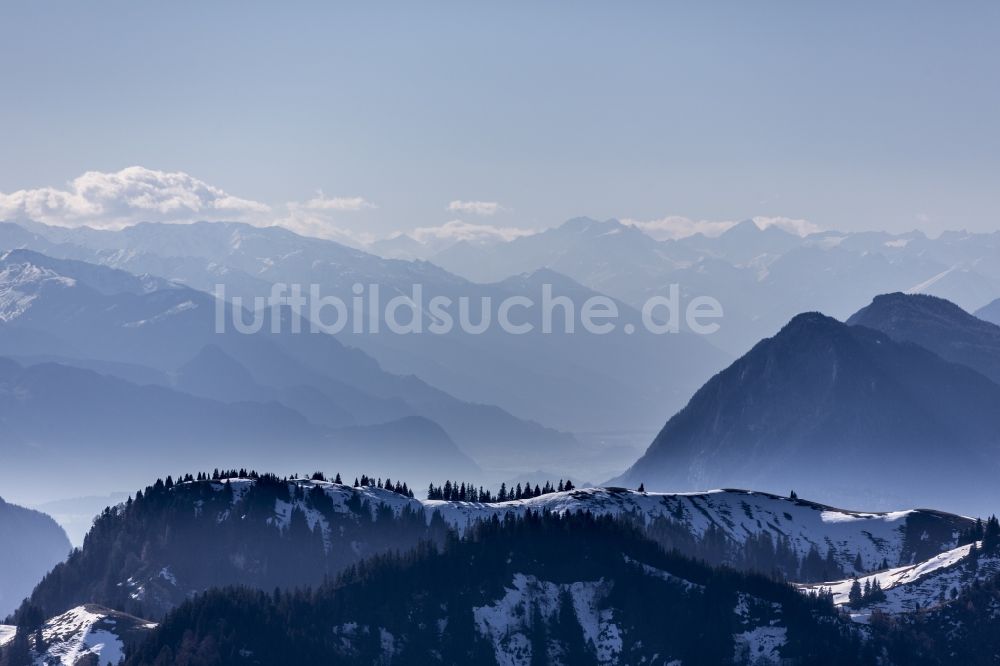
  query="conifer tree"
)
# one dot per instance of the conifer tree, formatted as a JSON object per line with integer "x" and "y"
{"x": 877, "y": 594}
{"x": 17, "y": 652}
{"x": 855, "y": 597}
{"x": 991, "y": 536}
{"x": 569, "y": 633}
{"x": 539, "y": 637}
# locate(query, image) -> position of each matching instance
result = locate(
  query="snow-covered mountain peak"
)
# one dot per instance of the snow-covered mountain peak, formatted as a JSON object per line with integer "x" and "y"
{"x": 21, "y": 283}
{"x": 16, "y": 270}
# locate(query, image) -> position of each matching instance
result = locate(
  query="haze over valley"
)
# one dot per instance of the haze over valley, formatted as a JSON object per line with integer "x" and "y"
{"x": 504, "y": 334}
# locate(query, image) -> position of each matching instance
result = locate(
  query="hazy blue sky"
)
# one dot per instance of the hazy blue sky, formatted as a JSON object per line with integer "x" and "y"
{"x": 849, "y": 114}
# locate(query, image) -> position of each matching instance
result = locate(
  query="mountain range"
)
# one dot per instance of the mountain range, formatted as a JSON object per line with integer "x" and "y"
{"x": 614, "y": 381}
{"x": 113, "y": 367}
{"x": 762, "y": 276}
{"x": 150, "y": 330}
{"x": 111, "y": 353}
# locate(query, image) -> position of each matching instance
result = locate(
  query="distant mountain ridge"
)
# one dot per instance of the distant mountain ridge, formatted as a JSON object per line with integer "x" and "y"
{"x": 614, "y": 381}
{"x": 762, "y": 277}
{"x": 63, "y": 313}
{"x": 32, "y": 543}
{"x": 63, "y": 419}
{"x": 938, "y": 325}
{"x": 990, "y": 313}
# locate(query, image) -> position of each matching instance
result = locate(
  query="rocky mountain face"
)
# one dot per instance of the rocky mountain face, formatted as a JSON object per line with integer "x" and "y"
{"x": 849, "y": 413}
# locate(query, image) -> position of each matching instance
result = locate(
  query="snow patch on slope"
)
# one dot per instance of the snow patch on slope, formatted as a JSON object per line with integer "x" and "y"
{"x": 20, "y": 285}
{"x": 283, "y": 518}
{"x": 760, "y": 645}
{"x": 763, "y": 634}
{"x": 738, "y": 514}
{"x": 506, "y": 622}
{"x": 170, "y": 312}
{"x": 927, "y": 284}
{"x": 921, "y": 585}
{"x": 665, "y": 576}
{"x": 79, "y": 632}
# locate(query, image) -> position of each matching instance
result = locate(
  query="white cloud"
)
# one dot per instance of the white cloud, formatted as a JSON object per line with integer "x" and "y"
{"x": 112, "y": 200}
{"x": 474, "y": 207}
{"x": 307, "y": 223}
{"x": 319, "y": 217}
{"x": 134, "y": 194}
{"x": 342, "y": 204}
{"x": 789, "y": 224}
{"x": 457, "y": 230}
{"x": 678, "y": 226}
{"x": 137, "y": 194}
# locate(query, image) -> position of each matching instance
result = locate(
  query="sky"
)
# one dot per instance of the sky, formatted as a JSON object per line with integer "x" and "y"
{"x": 357, "y": 120}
